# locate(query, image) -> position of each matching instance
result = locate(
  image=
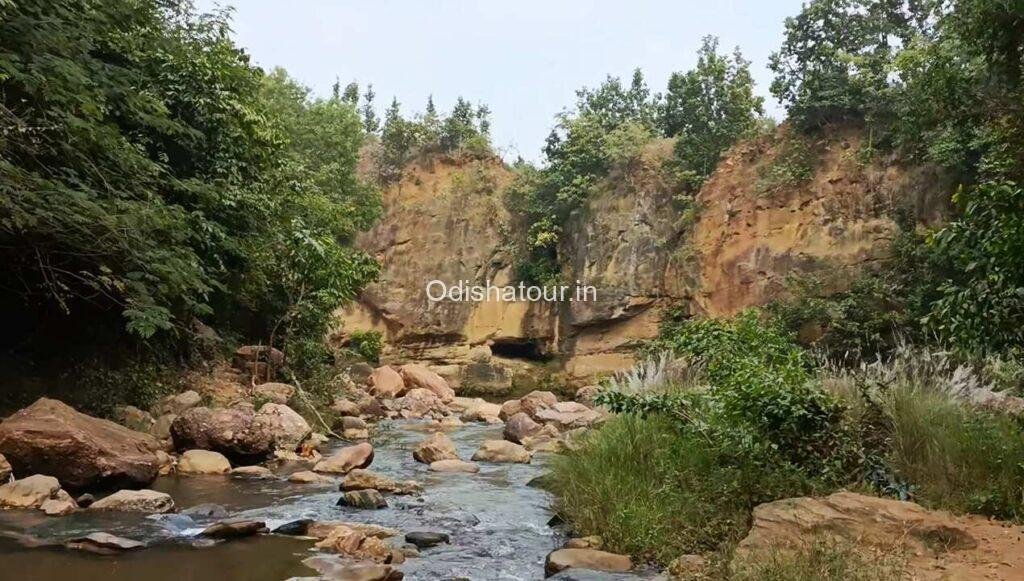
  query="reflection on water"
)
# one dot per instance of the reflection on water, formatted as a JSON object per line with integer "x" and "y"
{"x": 498, "y": 525}
{"x": 269, "y": 558}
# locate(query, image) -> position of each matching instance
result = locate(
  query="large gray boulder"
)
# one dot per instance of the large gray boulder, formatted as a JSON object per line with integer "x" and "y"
{"x": 238, "y": 433}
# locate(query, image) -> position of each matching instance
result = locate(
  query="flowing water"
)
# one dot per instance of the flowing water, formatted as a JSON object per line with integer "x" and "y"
{"x": 498, "y": 525}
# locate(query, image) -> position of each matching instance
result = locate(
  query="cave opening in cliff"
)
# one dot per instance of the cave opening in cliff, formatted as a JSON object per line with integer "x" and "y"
{"x": 520, "y": 348}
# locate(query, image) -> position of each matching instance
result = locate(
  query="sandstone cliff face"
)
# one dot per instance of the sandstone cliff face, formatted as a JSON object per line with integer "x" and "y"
{"x": 750, "y": 238}
{"x": 631, "y": 243}
{"x": 445, "y": 220}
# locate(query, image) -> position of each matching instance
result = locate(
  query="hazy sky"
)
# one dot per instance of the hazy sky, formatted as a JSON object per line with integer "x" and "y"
{"x": 523, "y": 58}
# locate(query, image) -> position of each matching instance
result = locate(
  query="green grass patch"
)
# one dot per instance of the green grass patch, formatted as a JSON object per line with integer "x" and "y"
{"x": 652, "y": 490}
{"x": 956, "y": 457}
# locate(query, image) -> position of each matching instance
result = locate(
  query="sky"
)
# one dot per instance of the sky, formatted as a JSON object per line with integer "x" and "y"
{"x": 525, "y": 59}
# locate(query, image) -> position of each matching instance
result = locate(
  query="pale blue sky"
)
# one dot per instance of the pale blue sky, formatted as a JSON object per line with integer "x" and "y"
{"x": 524, "y": 58}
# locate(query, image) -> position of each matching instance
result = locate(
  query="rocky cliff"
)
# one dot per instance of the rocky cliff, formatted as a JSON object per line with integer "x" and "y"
{"x": 645, "y": 250}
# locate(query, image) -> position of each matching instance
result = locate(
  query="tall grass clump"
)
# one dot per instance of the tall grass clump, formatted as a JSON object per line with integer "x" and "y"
{"x": 653, "y": 490}
{"x": 947, "y": 452}
{"x": 822, "y": 559}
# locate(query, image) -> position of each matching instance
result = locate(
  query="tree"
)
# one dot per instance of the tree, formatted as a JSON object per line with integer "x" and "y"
{"x": 459, "y": 126}
{"x": 836, "y": 58}
{"x": 351, "y": 94}
{"x": 431, "y": 122}
{"x": 708, "y": 108}
{"x": 371, "y": 124}
{"x": 154, "y": 174}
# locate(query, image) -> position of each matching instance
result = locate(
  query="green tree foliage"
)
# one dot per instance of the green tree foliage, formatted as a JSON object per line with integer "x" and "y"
{"x": 940, "y": 82}
{"x": 463, "y": 130}
{"x": 371, "y": 124}
{"x": 837, "y": 56}
{"x": 708, "y": 109}
{"x": 981, "y": 307}
{"x": 580, "y": 150}
{"x": 148, "y": 169}
{"x": 351, "y": 94}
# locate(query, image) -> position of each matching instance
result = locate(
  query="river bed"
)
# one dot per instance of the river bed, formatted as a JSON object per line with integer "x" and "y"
{"x": 498, "y": 525}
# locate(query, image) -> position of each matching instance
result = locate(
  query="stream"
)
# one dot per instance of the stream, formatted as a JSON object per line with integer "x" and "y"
{"x": 498, "y": 525}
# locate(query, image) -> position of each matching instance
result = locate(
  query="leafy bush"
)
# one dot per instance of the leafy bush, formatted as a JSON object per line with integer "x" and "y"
{"x": 981, "y": 307}
{"x": 791, "y": 167}
{"x": 874, "y": 313}
{"x": 367, "y": 344}
{"x": 760, "y": 395}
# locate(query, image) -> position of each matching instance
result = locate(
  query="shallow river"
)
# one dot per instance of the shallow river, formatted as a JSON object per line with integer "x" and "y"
{"x": 498, "y": 525}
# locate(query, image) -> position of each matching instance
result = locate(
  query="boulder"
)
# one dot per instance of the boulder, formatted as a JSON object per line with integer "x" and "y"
{"x": 252, "y": 473}
{"x": 295, "y": 528}
{"x": 353, "y": 543}
{"x": 366, "y": 498}
{"x": 286, "y": 426}
{"x": 136, "y": 501}
{"x": 347, "y": 459}
{"x": 286, "y": 462}
{"x": 61, "y": 504}
{"x": 206, "y": 510}
{"x": 502, "y": 451}
{"x": 569, "y": 415}
{"x": 454, "y": 466}
{"x": 178, "y": 403}
{"x": 520, "y": 426}
{"x": 587, "y": 394}
{"x": 247, "y": 355}
{"x": 133, "y": 418}
{"x": 509, "y": 409}
{"x": 81, "y": 451}
{"x": 235, "y": 529}
{"x": 322, "y": 529}
{"x": 542, "y": 443}
{"x": 359, "y": 479}
{"x": 344, "y": 407}
{"x": 426, "y": 539}
{"x": 355, "y": 434}
{"x": 350, "y": 423}
{"x": 420, "y": 403}
{"x": 236, "y": 432}
{"x": 274, "y": 392}
{"x": 6, "y": 472}
{"x": 535, "y": 401}
{"x": 418, "y": 376}
{"x": 203, "y": 462}
{"x": 482, "y": 411}
{"x": 591, "y": 559}
{"x": 436, "y": 447}
{"x": 85, "y": 500}
{"x": 591, "y": 542}
{"x": 309, "y": 477}
{"x": 104, "y": 544}
{"x": 161, "y": 429}
{"x": 385, "y": 382}
{"x": 30, "y": 492}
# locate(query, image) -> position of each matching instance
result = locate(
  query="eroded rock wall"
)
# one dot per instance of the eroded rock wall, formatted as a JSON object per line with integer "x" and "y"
{"x": 641, "y": 248}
